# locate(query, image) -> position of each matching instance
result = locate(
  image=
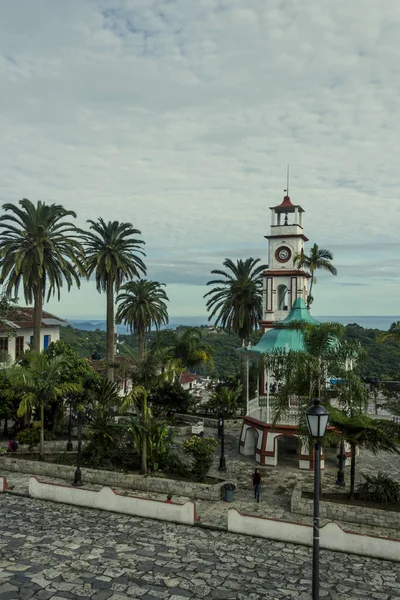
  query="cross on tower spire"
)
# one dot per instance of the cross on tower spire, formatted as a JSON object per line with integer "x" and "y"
{"x": 287, "y": 181}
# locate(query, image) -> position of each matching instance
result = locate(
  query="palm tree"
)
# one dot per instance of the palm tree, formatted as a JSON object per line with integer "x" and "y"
{"x": 359, "y": 430}
{"x": 39, "y": 249}
{"x": 142, "y": 305}
{"x": 236, "y": 301}
{"x": 192, "y": 350}
{"x": 318, "y": 260}
{"x": 41, "y": 383}
{"x": 112, "y": 251}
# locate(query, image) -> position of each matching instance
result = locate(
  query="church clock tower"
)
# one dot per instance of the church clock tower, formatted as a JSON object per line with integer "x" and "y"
{"x": 283, "y": 281}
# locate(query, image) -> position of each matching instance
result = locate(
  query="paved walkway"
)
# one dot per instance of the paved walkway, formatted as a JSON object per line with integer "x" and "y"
{"x": 53, "y": 552}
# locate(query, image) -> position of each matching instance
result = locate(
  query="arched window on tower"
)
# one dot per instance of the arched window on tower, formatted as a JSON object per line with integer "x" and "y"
{"x": 283, "y": 297}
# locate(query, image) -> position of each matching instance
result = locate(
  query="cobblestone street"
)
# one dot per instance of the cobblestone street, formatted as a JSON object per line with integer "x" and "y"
{"x": 49, "y": 552}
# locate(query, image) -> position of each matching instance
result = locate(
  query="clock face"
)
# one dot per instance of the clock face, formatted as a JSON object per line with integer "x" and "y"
{"x": 283, "y": 254}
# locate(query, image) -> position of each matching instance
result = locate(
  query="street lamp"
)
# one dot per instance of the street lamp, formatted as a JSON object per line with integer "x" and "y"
{"x": 317, "y": 421}
{"x": 222, "y": 463}
{"x": 69, "y": 444}
{"x": 342, "y": 463}
{"x": 78, "y": 476}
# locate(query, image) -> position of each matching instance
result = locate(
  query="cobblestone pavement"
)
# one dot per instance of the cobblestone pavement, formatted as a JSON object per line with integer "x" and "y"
{"x": 50, "y": 552}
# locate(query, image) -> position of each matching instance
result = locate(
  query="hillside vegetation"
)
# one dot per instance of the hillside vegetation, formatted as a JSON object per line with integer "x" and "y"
{"x": 381, "y": 360}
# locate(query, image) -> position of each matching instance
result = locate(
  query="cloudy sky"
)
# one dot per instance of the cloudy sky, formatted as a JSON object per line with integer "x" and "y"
{"x": 180, "y": 116}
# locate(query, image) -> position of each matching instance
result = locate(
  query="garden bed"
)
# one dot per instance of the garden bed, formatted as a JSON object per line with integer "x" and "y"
{"x": 346, "y": 510}
{"x": 212, "y": 490}
{"x": 343, "y": 499}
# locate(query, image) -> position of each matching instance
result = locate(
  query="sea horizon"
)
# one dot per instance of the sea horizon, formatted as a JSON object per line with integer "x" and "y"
{"x": 381, "y": 322}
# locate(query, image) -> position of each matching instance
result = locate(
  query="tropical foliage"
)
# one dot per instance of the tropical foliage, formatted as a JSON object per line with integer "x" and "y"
{"x": 235, "y": 301}
{"x": 40, "y": 383}
{"x": 201, "y": 450}
{"x": 380, "y": 488}
{"x": 40, "y": 249}
{"x": 142, "y": 305}
{"x": 112, "y": 253}
{"x": 319, "y": 259}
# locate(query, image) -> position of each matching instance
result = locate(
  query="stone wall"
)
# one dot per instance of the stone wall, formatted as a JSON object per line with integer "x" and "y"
{"x": 332, "y": 536}
{"x": 201, "y": 491}
{"x": 341, "y": 512}
{"x": 209, "y": 422}
{"x": 107, "y": 499}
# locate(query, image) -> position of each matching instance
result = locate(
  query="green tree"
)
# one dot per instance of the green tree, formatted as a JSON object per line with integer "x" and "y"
{"x": 226, "y": 400}
{"x": 112, "y": 252}
{"x": 191, "y": 349}
{"x": 319, "y": 259}
{"x": 40, "y": 383}
{"x": 235, "y": 301}
{"x": 393, "y": 333}
{"x": 40, "y": 249}
{"x": 142, "y": 305}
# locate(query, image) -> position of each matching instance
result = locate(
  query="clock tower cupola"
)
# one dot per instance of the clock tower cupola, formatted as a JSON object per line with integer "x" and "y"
{"x": 284, "y": 282}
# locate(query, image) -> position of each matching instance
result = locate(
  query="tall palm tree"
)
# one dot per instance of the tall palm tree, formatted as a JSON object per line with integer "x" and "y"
{"x": 41, "y": 250}
{"x": 236, "y": 299}
{"x": 317, "y": 260}
{"x": 40, "y": 383}
{"x": 112, "y": 253}
{"x": 142, "y": 305}
{"x": 192, "y": 350}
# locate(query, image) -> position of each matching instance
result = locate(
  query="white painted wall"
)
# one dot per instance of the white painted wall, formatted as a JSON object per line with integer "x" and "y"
{"x": 332, "y": 537}
{"x": 107, "y": 499}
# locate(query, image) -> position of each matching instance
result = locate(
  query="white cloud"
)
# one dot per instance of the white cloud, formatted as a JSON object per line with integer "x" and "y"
{"x": 181, "y": 117}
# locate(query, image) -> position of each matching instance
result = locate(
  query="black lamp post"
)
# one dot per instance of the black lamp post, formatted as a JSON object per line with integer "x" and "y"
{"x": 78, "y": 476}
{"x": 317, "y": 421}
{"x": 222, "y": 463}
{"x": 342, "y": 462}
{"x": 69, "y": 444}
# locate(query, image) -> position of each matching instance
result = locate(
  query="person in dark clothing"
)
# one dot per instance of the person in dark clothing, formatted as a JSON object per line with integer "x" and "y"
{"x": 257, "y": 482}
{"x": 12, "y": 446}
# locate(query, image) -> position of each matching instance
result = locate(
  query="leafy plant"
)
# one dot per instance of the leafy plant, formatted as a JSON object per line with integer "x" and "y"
{"x": 29, "y": 437}
{"x": 379, "y": 488}
{"x": 201, "y": 450}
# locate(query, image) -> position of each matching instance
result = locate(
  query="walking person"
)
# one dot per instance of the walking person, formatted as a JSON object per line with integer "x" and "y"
{"x": 257, "y": 482}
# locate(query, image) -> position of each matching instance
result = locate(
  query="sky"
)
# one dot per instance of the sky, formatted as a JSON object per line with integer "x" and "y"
{"x": 180, "y": 117}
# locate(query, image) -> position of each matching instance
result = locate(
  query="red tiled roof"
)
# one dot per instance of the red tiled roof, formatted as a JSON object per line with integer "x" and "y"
{"x": 188, "y": 377}
{"x": 23, "y": 317}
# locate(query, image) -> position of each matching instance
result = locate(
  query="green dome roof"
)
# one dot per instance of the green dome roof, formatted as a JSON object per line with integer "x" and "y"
{"x": 282, "y": 338}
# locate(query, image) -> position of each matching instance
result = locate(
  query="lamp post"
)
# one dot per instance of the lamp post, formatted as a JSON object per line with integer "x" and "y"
{"x": 69, "y": 444}
{"x": 78, "y": 476}
{"x": 222, "y": 463}
{"x": 317, "y": 420}
{"x": 342, "y": 462}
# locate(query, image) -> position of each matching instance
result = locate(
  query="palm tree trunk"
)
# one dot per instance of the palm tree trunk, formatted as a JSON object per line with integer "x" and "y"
{"x": 41, "y": 445}
{"x": 37, "y": 316}
{"x": 141, "y": 343}
{"x": 352, "y": 471}
{"x": 110, "y": 330}
{"x": 144, "y": 437}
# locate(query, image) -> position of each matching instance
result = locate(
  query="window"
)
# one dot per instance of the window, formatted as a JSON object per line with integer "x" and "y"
{"x": 4, "y": 344}
{"x": 283, "y": 293}
{"x": 19, "y": 347}
{"x": 46, "y": 341}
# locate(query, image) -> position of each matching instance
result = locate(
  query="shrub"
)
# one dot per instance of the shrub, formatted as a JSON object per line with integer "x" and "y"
{"x": 201, "y": 450}
{"x": 29, "y": 437}
{"x": 379, "y": 488}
